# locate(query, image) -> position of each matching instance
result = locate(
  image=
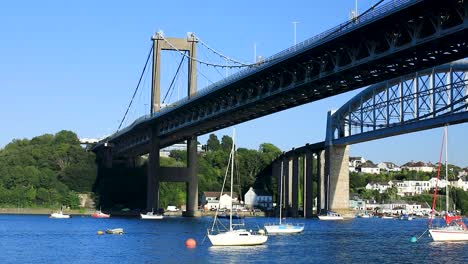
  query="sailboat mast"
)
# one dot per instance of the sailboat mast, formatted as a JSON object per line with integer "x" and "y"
{"x": 232, "y": 174}
{"x": 446, "y": 172}
{"x": 281, "y": 193}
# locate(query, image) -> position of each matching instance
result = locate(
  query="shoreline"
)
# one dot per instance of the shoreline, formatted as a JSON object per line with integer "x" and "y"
{"x": 89, "y": 212}
{"x": 43, "y": 211}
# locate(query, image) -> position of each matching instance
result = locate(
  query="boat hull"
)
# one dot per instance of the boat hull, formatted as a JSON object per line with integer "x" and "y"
{"x": 102, "y": 215}
{"x": 330, "y": 217}
{"x": 59, "y": 216}
{"x": 448, "y": 235}
{"x": 237, "y": 238}
{"x": 284, "y": 229}
{"x": 151, "y": 217}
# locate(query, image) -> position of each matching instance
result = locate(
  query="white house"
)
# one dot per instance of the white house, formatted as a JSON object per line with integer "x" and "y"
{"x": 214, "y": 201}
{"x": 419, "y": 166}
{"x": 258, "y": 198}
{"x": 388, "y": 166}
{"x": 355, "y": 162}
{"x": 372, "y": 169}
{"x": 460, "y": 184}
{"x": 379, "y": 186}
{"x": 442, "y": 183}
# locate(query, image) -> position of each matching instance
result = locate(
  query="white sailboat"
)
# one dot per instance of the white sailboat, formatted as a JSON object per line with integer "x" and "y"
{"x": 454, "y": 228}
{"x": 238, "y": 236}
{"x": 330, "y": 215}
{"x": 283, "y": 228}
{"x": 151, "y": 216}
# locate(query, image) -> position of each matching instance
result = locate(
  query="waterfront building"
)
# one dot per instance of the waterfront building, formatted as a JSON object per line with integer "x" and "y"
{"x": 213, "y": 200}
{"x": 258, "y": 198}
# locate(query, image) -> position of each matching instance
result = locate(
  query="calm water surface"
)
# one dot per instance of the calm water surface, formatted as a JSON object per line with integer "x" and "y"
{"x": 38, "y": 239}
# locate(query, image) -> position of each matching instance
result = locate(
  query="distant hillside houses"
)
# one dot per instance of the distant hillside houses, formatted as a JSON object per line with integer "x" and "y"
{"x": 419, "y": 166}
{"x": 360, "y": 164}
{"x": 411, "y": 188}
{"x": 355, "y": 162}
{"x": 461, "y": 183}
{"x": 388, "y": 166}
{"x": 392, "y": 207}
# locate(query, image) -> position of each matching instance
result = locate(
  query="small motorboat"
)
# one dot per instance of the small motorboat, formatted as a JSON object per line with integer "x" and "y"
{"x": 151, "y": 215}
{"x": 100, "y": 214}
{"x": 115, "y": 231}
{"x": 331, "y": 216}
{"x": 59, "y": 214}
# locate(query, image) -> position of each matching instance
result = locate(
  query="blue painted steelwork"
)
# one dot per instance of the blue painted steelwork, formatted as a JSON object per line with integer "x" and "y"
{"x": 342, "y": 28}
{"x": 424, "y": 100}
{"x": 396, "y": 39}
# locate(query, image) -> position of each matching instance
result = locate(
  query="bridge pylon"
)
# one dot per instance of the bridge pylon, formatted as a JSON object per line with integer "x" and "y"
{"x": 156, "y": 173}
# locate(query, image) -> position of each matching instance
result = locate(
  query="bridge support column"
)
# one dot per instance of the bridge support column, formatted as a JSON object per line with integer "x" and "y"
{"x": 154, "y": 172}
{"x": 321, "y": 190}
{"x": 276, "y": 174}
{"x": 287, "y": 168}
{"x": 308, "y": 201}
{"x": 192, "y": 181}
{"x": 337, "y": 171}
{"x": 294, "y": 186}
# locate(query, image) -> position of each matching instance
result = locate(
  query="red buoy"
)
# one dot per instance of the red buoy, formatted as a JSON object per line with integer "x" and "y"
{"x": 190, "y": 243}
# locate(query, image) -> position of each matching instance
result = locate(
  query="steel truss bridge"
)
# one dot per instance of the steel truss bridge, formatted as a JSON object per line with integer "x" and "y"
{"x": 414, "y": 102}
{"x": 423, "y": 100}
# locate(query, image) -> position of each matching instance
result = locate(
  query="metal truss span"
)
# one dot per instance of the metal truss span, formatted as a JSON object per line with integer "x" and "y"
{"x": 414, "y": 102}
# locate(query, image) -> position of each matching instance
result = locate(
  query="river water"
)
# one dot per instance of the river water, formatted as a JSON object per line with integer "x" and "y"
{"x": 39, "y": 239}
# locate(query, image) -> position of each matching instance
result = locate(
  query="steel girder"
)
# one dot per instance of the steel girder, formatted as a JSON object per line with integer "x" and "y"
{"x": 413, "y": 102}
{"x": 399, "y": 38}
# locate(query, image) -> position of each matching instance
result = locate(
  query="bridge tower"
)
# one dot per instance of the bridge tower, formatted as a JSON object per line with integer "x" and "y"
{"x": 156, "y": 173}
{"x": 336, "y": 174}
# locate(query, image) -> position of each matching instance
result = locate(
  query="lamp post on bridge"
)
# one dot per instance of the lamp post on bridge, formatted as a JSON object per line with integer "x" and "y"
{"x": 295, "y": 25}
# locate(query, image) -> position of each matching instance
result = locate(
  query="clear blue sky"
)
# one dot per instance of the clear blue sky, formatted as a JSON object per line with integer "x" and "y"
{"x": 74, "y": 65}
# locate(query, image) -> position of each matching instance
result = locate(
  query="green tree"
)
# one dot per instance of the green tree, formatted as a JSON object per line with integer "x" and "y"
{"x": 213, "y": 143}
{"x": 226, "y": 143}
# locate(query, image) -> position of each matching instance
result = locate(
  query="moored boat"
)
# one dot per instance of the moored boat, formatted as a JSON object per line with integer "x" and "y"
{"x": 331, "y": 216}
{"x": 454, "y": 228}
{"x": 59, "y": 214}
{"x": 283, "y": 228}
{"x": 115, "y": 231}
{"x": 231, "y": 236}
{"x": 151, "y": 216}
{"x": 99, "y": 214}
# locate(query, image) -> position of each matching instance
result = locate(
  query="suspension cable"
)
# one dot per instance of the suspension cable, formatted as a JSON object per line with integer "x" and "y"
{"x": 222, "y": 55}
{"x": 204, "y": 62}
{"x": 136, "y": 89}
{"x": 173, "y": 79}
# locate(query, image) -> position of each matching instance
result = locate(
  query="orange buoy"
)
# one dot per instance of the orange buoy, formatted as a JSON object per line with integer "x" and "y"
{"x": 190, "y": 243}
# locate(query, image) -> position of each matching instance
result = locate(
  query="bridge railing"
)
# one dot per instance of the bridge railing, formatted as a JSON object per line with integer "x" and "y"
{"x": 342, "y": 28}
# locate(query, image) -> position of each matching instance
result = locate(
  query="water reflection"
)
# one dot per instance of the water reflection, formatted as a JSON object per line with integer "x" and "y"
{"x": 236, "y": 254}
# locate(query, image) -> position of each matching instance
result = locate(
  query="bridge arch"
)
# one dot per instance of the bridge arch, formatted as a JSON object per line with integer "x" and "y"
{"x": 414, "y": 102}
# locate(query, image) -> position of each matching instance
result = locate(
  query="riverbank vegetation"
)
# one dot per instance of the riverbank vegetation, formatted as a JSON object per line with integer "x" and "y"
{"x": 46, "y": 171}
{"x": 50, "y": 170}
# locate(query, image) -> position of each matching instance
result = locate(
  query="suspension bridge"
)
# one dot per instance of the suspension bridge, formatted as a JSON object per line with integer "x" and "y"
{"x": 389, "y": 40}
